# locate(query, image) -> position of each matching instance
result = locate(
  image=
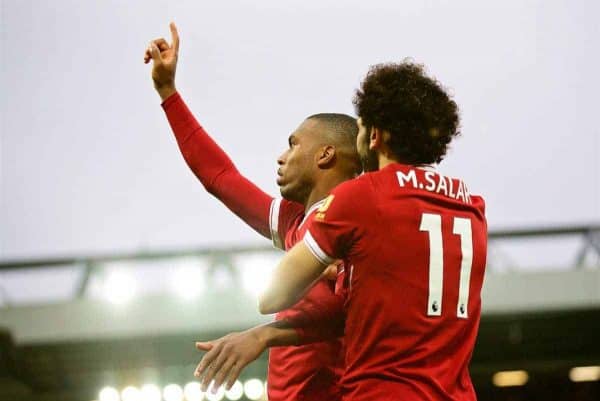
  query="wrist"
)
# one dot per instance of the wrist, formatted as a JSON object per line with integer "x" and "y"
{"x": 276, "y": 334}
{"x": 265, "y": 335}
{"x": 166, "y": 91}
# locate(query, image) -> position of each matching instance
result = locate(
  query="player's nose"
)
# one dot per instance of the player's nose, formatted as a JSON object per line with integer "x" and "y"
{"x": 281, "y": 158}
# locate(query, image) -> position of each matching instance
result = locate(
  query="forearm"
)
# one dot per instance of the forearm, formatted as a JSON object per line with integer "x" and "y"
{"x": 204, "y": 157}
{"x": 283, "y": 333}
{"x": 277, "y": 333}
{"x": 166, "y": 91}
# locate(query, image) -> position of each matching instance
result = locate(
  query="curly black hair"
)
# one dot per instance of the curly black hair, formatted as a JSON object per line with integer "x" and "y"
{"x": 415, "y": 109}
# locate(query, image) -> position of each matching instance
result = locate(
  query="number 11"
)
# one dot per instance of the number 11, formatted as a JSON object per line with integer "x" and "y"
{"x": 432, "y": 223}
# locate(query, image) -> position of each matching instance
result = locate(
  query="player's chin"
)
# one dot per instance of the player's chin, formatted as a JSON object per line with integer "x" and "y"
{"x": 287, "y": 191}
{"x": 284, "y": 191}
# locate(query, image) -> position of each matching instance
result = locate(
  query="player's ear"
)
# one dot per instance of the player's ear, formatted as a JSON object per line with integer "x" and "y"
{"x": 375, "y": 138}
{"x": 378, "y": 138}
{"x": 325, "y": 156}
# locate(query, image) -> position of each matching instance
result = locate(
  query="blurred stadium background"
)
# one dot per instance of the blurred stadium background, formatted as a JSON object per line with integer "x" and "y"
{"x": 122, "y": 327}
{"x": 114, "y": 261}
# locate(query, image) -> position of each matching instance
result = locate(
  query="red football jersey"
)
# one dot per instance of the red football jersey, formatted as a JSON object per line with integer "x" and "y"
{"x": 417, "y": 241}
{"x": 307, "y": 372}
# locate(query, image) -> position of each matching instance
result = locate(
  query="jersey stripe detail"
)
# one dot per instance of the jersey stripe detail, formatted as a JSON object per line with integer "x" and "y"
{"x": 310, "y": 210}
{"x": 274, "y": 223}
{"x": 462, "y": 227}
{"x": 316, "y": 250}
{"x": 432, "y": 224}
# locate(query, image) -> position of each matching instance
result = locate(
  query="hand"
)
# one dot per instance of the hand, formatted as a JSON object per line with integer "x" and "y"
{"x": 164, "y": 64}
{"x": 227, "y": 356}
{"x": 331, "y": 271}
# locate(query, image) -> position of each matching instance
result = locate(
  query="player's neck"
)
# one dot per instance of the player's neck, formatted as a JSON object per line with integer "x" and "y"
{"x": 322, "y": 189}
{"x": 313, "y": 198}
{"x": 385, "y": 159}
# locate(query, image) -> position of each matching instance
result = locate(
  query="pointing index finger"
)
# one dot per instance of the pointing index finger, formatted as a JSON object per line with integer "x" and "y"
{"x": 174, "y": 37}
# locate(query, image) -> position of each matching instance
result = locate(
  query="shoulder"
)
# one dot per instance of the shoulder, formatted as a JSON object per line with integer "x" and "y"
{"x": 283, "y": 208}
{"x": 478, "y": 202}
{"x": 359, "y": 186}
{"x": 347, "y": 200}
{"x": 284, "y": 215}
{"x": 291, "y": 207}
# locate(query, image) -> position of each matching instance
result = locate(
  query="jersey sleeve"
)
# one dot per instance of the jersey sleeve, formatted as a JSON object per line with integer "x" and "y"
{"x": 337, "y": 226}
{"x": 211, "y": 165}
{"x": 324, "y": 330}
{"x": 318, "y": 318}
{"x": 479, "y": 204}
{"x": 282, "y": 216}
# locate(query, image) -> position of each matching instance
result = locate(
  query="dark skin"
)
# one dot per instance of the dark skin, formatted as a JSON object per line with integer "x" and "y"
{"x": 308, "y": 170}
{"x": 227, "y": 356}
{"x": 311, "y": 166}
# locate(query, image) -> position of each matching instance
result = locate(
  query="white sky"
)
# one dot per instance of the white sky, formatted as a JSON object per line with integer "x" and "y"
{"x": 88, "y": 163}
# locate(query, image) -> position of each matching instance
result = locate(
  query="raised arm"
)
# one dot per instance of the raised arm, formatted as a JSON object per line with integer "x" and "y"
{"x": 206, "y": 159}
{"x": 211, "y": 165}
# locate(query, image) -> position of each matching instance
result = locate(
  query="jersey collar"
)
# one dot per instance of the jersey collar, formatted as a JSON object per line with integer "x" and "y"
{"x": 311, "y": 209}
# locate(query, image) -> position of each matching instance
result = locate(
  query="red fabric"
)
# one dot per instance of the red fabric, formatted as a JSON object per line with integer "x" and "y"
{"x": 325, "y": 320}
{"x": 395, "y": 348}
{"x": 311, "y": 371}
{"x": 308, "y": 372}
{"x": 215, "y": 170}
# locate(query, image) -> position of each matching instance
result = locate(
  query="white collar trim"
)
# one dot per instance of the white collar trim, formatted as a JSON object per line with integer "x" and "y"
{"x": 427, "y": 167}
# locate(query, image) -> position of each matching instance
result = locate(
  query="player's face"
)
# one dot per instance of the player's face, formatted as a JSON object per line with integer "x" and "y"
{"x": 368, "y": 157}
{"x": 297, "y": 165}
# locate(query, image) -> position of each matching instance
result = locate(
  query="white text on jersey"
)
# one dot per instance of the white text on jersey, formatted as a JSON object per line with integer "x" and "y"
{"x": 436, "y": 183}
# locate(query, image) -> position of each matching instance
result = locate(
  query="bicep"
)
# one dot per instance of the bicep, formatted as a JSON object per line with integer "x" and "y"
{"x": 215, "y": 170}
{"x": 298, "y": 269}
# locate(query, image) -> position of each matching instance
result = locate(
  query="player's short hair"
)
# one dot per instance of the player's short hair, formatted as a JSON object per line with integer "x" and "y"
{"x": 338, "y": 124}
{"x": 415, "y": 109}
{"x": 341, "y": 130}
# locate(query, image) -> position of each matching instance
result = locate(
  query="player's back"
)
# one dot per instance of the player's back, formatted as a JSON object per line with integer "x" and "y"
{"x": 414, "y": 304}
